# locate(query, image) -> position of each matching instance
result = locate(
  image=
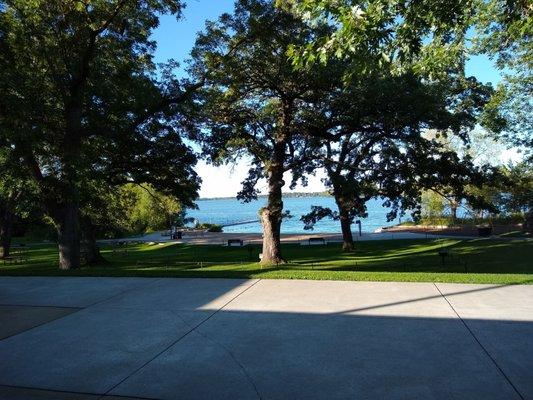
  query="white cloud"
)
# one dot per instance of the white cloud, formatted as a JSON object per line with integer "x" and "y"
{"x": 512, "y": 155}
{"x": 225, "y": 180}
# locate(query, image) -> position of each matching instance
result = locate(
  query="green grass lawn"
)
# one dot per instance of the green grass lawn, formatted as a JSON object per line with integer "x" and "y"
{"x": 472, "y": 261}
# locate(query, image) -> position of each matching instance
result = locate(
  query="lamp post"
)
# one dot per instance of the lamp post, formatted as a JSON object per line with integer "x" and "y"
{"x": 358, "y": 222}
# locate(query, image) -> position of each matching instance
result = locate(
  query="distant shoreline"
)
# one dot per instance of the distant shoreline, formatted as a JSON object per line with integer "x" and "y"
{"x": 286, "y": 195}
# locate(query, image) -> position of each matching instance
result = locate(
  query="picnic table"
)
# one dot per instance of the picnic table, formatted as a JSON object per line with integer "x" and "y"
{"x": 17, "y": 254}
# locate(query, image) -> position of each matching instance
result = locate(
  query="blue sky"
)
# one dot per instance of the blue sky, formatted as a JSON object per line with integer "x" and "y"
{"x": 175, "y": 39}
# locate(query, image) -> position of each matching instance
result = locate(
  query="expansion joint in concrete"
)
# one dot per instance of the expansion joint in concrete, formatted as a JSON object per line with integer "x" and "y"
{"x": 483, "y": 348}
{"x": 191, "y": 330}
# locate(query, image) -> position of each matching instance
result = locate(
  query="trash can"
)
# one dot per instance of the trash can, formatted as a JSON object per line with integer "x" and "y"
{"x": 179, "y": 234}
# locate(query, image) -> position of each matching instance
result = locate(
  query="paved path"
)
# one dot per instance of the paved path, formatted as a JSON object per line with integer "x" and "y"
{"x": 89, "y": 338}
{"x": 198, "y": 237}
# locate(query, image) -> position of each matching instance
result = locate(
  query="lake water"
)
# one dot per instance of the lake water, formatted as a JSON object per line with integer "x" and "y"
{"x": 228, "y": 211}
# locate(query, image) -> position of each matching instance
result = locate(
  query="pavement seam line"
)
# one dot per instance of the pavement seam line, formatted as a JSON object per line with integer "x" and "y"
{"x": 70, "y": 392}
{"x": 76, "y": 309}
{"x": 177, "y": 340}
{"x": 234, "y": 358}
{"x": 480, "y": 344}
{"x": 26, "y": 305}
{"x": 227, "y": 350}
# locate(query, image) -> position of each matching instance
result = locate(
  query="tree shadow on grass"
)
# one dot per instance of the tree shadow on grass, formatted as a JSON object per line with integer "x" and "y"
{"x": 187, "y": 260}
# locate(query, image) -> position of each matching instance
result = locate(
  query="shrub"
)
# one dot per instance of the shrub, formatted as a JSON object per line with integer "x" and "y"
{"x": 210, "y": 227}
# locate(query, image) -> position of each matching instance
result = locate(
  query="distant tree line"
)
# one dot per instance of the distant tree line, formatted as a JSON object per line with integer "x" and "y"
{"x": 96, "y": 138}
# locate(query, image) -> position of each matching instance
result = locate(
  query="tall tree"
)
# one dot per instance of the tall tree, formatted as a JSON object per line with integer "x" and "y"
{"x": 82, "y": 102}
{"x": 374, "y": 142}
{"x": 432, "y": 38}
{"x": 503, "y": 32}
{"x": 253, "y": 101}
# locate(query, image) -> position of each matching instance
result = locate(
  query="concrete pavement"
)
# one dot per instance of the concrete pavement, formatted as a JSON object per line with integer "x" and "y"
{"x": 91, "y": 338}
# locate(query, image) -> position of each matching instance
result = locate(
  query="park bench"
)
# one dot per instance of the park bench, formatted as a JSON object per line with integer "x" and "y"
{"x": 19, "y": 254}
{"x": 316, "y": 241}
{"x": 120, "y": 247}
{"x": 14, "y": 259}
{"x": 235, "y": 243}
{"x": 120, "y": 250}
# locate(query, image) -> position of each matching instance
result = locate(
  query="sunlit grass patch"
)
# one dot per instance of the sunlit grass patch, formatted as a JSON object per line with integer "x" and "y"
{"x": 473, "y": 261}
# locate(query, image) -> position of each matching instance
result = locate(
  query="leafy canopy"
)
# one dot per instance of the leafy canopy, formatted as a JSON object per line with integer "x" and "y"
{"x": 427, "y": 35}
{"x": 83, "y": 100}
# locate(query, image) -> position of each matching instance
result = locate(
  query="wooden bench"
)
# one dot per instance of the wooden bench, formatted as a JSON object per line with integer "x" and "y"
{"x": 316, "y": 241}
{"x": 123, "y": 251}
{"x": 15, "y": 259}
{"x": 235, "y": 243}
{"x": 18, "y": 254}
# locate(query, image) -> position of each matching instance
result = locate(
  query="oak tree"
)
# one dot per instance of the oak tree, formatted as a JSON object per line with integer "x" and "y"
{"x": 374, "y": 143}
{"x": 83, "y": 103}
{"x": 253, "y": 100}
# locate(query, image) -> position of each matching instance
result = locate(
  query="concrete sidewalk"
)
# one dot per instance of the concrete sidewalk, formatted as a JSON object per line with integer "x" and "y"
{"x": 91, "y": 338}
{"x": 221, "y": 238}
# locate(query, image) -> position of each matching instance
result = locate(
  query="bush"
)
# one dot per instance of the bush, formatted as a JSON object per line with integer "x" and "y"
{"x": 210, "y": 227}
{"x": 215, "y": 228}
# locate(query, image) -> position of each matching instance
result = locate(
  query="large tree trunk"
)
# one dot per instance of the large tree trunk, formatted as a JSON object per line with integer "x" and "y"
{"x": 6, "y": 228}
{"x": 347, "y": 237}
{"x": 271, "y": 237}
{"x": 453, "y": 210}
{"x": 68, "y": 235}
{"x": 528, "y": 222}
{"x": 68, "y": 212}
{"x": 271, "y": 216}
{"x": 272, "y": 213}
{"x": 346, "y": 222}
{"x": 88, "y": 245}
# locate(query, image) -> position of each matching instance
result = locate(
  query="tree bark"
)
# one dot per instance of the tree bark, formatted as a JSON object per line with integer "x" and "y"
{"x": 528, "y": 222}
{"x": 453, "y": 209}
{"x": 346, "y": 221}
{"x": 68, "y": 211}
{"x": 88, "y": 243}
{"x": 271, "y": 216}
{"x": 68, "y": 235}
{"x": 344, "y": 210}
{"x": 6, "y": 228}
{"x": 271, "y": 238}
{"x": 272, "y": 213}
{"x": 347, "y": 237}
